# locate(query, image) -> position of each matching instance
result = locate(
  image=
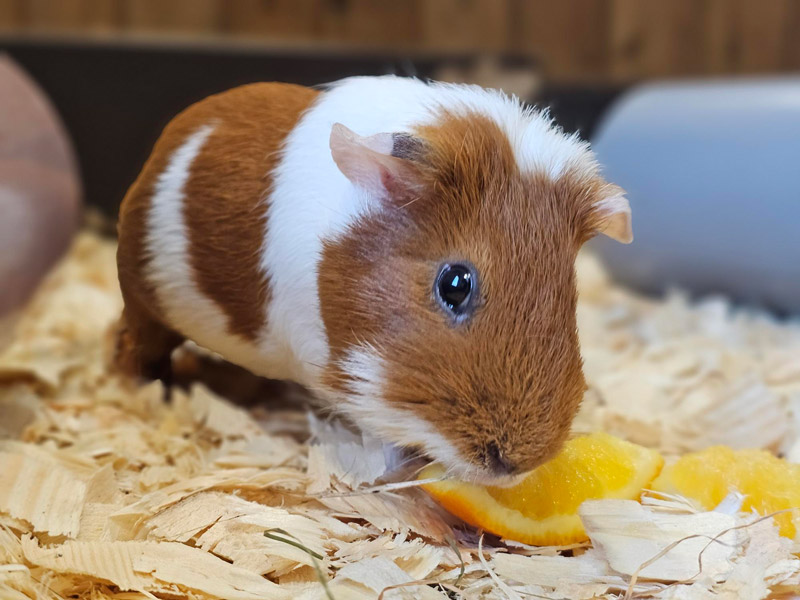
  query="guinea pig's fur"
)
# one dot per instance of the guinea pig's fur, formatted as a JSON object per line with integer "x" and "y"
{"x": 300, "y": 234}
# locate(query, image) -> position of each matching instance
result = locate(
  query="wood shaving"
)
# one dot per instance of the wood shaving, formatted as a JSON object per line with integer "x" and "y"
{"x": 109, "y": 492}
{"x": 633, "y": 539}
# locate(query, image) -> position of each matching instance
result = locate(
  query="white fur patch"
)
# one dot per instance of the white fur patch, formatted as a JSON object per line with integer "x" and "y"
{"x": 538, "y": 144}
{"x": 365, "y": 405}
{"x": 188, "y": 310}
{"x": 312, "y": 201}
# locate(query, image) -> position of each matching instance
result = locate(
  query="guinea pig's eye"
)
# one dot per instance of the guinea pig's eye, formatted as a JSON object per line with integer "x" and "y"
{"x": 454, "y": 288}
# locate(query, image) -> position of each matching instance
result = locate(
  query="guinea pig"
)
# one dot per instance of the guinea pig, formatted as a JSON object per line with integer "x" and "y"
{"x": 403, "y": 249}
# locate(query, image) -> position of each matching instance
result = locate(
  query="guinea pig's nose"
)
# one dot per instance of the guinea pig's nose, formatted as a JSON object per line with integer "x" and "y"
{"x": 497, "y": 462}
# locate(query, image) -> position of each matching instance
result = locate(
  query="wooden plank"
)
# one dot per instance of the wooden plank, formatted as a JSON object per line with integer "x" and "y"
{"x": 721, "y": 43}
{"x": 790, "y": 59}
{"x": 274, "y": 18}
{"x": 11, "y": 14}
{"x": 172, "y": 15}
{"x": 378, "y": 23}
{"x": 465, "y": 24}
{"x": 574, "y": 40}
{"x": 748, "y": 36}
{"x": 569, "y": 37}
{"x": 652, "y": 38}
{"x": 759, "y": 31}
{"x": 75, "y": 15}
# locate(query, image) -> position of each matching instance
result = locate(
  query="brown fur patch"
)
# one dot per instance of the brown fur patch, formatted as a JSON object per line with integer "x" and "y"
{"x": 144, "y": 341}
{"x": 132, "y": 257}
{"x": 225, "y": 197}
{"x": 508, "y": 382}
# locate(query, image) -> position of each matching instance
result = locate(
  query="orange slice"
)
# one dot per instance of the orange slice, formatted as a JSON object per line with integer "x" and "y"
{"x": 543, "y": 508}
{"x": 768, "y": 483}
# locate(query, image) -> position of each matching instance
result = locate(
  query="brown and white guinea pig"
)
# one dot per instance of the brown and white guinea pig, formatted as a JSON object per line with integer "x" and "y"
{"x": 404, "y": 249}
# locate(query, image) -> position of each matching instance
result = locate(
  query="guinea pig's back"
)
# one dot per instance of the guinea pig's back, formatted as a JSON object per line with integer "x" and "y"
{"x": 192, "y": 226}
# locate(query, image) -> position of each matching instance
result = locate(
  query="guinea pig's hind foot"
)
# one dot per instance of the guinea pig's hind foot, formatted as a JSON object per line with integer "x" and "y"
{"x": 160, "y": 370}
{"x": 143, "y": 350}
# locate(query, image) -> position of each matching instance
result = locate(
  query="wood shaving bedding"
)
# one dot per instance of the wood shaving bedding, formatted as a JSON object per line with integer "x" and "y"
{"x": 109, "y": 492}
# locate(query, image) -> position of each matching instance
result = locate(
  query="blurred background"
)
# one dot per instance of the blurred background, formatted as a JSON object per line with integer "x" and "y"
{"x": 118, "y": 69}
{"x": 115, "y": 71}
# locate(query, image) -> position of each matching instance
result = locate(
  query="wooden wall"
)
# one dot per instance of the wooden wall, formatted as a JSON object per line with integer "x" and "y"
{"x": 574, "y": 40}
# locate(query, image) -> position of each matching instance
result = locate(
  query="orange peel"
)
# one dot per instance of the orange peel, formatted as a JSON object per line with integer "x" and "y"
{"x": 542, "y": 509}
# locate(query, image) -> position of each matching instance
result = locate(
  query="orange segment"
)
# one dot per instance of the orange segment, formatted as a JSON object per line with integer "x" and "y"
{"x": 768, "y": 483}
{"x": 543, "y": 508}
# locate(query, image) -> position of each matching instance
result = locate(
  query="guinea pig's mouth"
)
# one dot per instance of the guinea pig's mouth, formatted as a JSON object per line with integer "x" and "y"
{"x": 467, "y": 471}
{"x": 479, "y": 475}
{"x": 505, "y": 481}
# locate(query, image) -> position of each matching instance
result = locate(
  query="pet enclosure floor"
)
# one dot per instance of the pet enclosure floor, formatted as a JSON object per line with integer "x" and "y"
{"x": 108, "y": 491}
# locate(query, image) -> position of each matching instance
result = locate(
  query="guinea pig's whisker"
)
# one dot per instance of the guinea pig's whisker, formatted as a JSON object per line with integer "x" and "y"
{"x": 313, "y": 364}
{"x": 542, "y": 337}
{"x": 461, "y": 148}
{"x": 382, "y": 488}
{"x": 333, "y": 210}
{"x": 453, "y": 472}
{"x": 410, "y": 202}
{"x": 372, "y": 346}
{"x": 411, "y": 459}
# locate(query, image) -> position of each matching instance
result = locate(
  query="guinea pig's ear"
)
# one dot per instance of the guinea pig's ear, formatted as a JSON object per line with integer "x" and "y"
{"x": 371, "y": 163}
{"x": 612, "y": 214}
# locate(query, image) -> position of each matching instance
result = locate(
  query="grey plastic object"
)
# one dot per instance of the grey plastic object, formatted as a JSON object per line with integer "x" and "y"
{"x": 712, "y": 171}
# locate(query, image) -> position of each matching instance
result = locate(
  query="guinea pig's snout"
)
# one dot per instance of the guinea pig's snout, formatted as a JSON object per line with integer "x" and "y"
{"x": 497, "y": 462}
